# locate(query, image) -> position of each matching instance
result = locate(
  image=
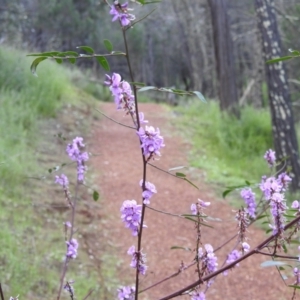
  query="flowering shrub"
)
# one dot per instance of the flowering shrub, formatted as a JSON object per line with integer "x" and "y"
{"x": 273, "y": 206}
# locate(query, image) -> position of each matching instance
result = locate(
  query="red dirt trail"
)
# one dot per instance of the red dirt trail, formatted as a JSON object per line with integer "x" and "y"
{"x": 120, "y": 166}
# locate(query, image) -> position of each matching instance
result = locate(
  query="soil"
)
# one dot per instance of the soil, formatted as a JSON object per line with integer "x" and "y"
{"x": 119, "y": 164}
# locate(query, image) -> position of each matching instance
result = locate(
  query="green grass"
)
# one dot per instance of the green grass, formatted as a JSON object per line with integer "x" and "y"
{"x": 229, "y": 150}
{"x": 31, "y": 237}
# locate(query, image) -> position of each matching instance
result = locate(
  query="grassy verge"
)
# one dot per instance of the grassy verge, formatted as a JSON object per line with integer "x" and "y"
{"x": 230, "y": 151}
{"x": 31, "y": 222}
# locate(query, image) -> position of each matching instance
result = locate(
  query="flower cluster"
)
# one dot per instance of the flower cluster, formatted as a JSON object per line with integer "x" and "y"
{"x": 138, "y": 260}
{"x": 74, "y": 152}
{"x": 121, "y": 90}
{"x": 273, "y": 189}
{"x": 297, "y": 276}
{"x": 197, "y": 296}
{"x": 197, "y": 208}
{"x": 72, "y": 247}
{"x": 233, "y": 256}
{"x": 69, "y": 288}
{"x": 62, "y": 180}
{"x": 131, "y": 215}
{"x": 270, "y": 157}
{"x": 151, "y": 141}
{"x": 120, "y": 11}
{"x": 150, "y": 189}
{"x": 249, "y": 198}
{"x": 126, "y": 293}
{"x": 243, "y": 223}
{"x": 208, "y": 258}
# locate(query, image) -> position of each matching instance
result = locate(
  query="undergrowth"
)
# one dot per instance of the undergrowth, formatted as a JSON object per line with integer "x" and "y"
{"x": 31, "y": 233}
{"x": 229, "y": 150}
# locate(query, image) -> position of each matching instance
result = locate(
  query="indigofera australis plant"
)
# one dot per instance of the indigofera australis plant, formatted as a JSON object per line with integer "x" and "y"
{"x": 284, "y": 222}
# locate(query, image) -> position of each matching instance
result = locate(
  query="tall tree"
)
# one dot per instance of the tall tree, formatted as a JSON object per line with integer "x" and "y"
{"x": 284, "y": 135}
{"x": 224, "y": 56}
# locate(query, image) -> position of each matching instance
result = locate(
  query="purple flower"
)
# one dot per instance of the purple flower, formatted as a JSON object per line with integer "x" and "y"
{"x": 295, "y": 204}
{"x": 197, "y": 208}
{"x": 131, "y": 215}
{"x": 284, "y": 180}
{"x": 72, "y": 247}
{"x": 296, "y": 272}
{"x": 249, "y": 198}
{"x": 246, "y": 247}
{"x": 122, "y": 92}
{"x": 62, "y": 180}
{"x": 120, "y": 11}
{"x": 142, "y": 118}
{"x": 126, "y": 293}
{"x": 278, "y": 207}
{"x": 138, "y": 260}
{"x": 151, "y": 140}
{"x": 233, "y": 256}
{"x": 270, "y": 157}
{"x": 269, "y": 186}
{"x": 74, "y": 152}
{"x": 197, "y": 296}
{"x": 208, "y": 258}
{"x": 150, "y": 189}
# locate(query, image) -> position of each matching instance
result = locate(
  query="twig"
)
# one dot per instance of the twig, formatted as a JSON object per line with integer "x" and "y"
{"x": 1, "y": 292}
{"x": 250, "y": 253}
{"x": 131, "y": 127}
{"x": 88, "y": 294}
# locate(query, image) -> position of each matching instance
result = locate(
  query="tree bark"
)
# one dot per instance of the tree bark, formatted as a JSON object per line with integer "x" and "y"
{"x": 224, "y": 56}
{"x": 284, "y": 134}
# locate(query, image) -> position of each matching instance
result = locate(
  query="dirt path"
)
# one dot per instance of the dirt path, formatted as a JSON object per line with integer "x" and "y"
{"x": 119, "y": 163}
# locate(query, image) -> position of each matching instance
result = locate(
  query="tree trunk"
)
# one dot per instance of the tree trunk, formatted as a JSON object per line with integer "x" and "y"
{"x": 284, "y": 134}
{"x": 224, "y": 56}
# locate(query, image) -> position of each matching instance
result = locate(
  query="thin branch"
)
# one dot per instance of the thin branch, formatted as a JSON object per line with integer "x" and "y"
{"x": 1, "y": 292}
{"x": 100, "y": 112}
{"x": 88, "y": 294}
{"x": 278, "y": 256}
{"x": 169, "y": 277}
{"x": 250, "y": 253}
{"x": 139, "y": 20}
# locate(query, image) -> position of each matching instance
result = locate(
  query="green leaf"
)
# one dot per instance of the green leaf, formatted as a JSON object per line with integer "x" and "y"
{"x": 95, "y": 195}
{"x": 226, "y": 192}
{"x": 261, "y": 217}
{"x": 108, "y": 45}
{"x": 183, "y": 248}
{"x": 138, "y": 83}
{"x": 118, "y": 53}
{"x": 35, "y": 63}
{"x": 67, "y": 53}
{"x": 147, "y": 88}
{"x": 295, "y": 286}
{"x": 103, "y": 62}
{"x": 275, "y": 60}
{"x": 178, "y": 174}
{"x": 72, "y": 60}
{"x": 141, "y": 1}
{"x": 59, "y": 60}
{"x": 295, "y": 242}
{"x": 294, "y": 52}
{"x": 44, "y": 54}
{"x": 247, "y": 182}
{"x": 87, "y": 49}
{"x": 196, "y": 221}
{"x": 191, "y": 183}
{"x": 176, "y": 168}
{"x": 272, "y": 263}
{"x": 200, "y": 96}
